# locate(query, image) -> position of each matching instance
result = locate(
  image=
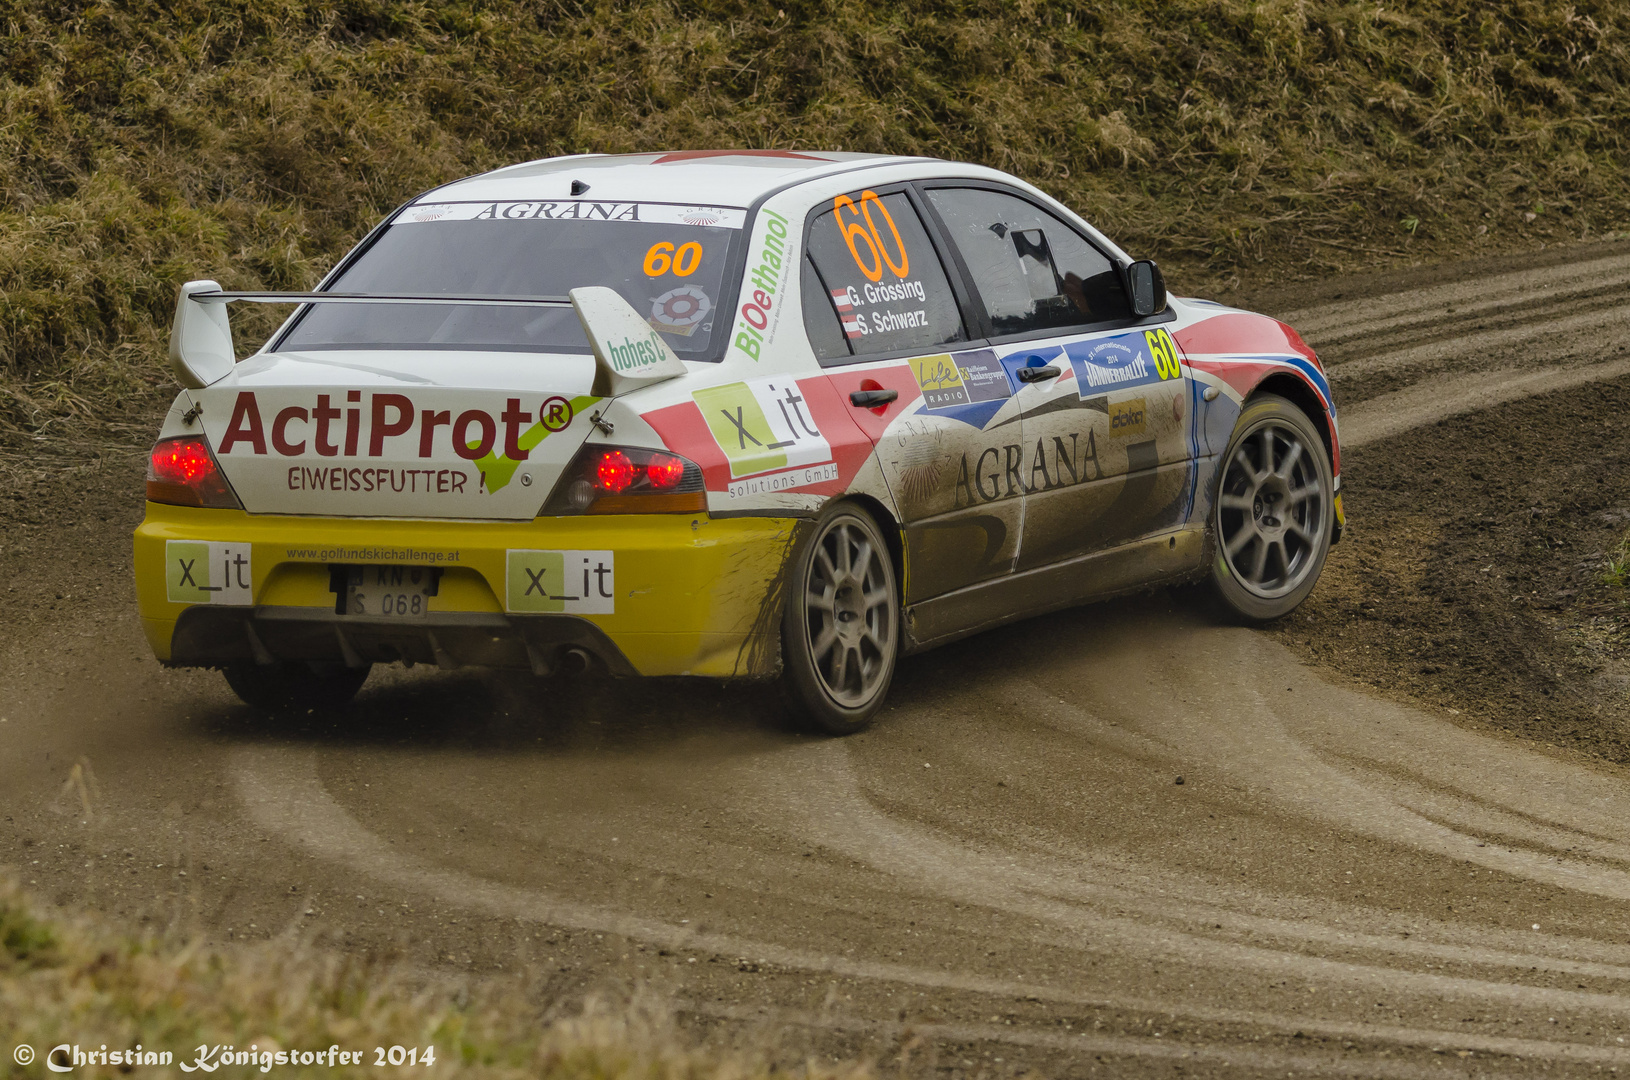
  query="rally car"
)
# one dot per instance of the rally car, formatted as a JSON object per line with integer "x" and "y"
{"x": 728, "y": 414}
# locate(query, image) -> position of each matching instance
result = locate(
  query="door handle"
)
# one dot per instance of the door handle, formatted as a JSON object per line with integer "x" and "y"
{"x": 870, "y": 399}
{"x": 1037, "y": 374}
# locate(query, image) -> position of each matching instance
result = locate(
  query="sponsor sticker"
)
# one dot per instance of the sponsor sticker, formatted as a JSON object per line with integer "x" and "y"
{"x": 208, "y": 572}
{"x": 633, "y": 355}
{"x": 495, "y": 440}
{"x": 560, "y": 582}
{"x": 762, "y": 425}
{"x": 1123, "y": 362}
{"x": 784, "y": 481}
{"x": 948, "y": 381}
{"x": 680, "y": 311}
{"x": 762, "y": 292}
{"x": 717, "y": 217}
{"x": 940, "y": 380}
{"x": 1112, "y": 363}
{"x": 1128, "y": 417}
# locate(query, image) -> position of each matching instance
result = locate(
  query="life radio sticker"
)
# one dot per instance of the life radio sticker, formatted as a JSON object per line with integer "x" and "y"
{"x": 208, "y": 572}
{"x": 1123, "y": 362}
{"x": 561, "y": 582}
{"x": 968, "y": 386}
{"x": 940, "y": 381}
{"x": 763, "y": 425}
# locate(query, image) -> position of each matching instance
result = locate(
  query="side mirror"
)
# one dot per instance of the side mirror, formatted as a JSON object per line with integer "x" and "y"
{"x": 1147, "y": 288}
{"x": 200, "y": 338}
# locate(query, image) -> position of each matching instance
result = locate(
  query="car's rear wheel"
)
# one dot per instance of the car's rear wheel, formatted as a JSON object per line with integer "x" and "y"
{"x": 295, "y": 685}
{"x": 1274, "y": 511}
{"x": 841, "y": 631}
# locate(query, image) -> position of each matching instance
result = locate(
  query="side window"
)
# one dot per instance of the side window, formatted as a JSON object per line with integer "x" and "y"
{"x": 882, "y": 276}
{"x": 821, "y": 323}
{"x": 1033, "y": 271}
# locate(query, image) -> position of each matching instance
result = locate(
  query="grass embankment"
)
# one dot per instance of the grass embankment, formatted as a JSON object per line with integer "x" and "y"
{"x": 75, "y": 983}
{"x": 142, "y": 144}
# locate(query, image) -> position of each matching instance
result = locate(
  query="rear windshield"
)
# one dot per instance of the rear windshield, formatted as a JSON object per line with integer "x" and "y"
{"x": 667, "y": 261}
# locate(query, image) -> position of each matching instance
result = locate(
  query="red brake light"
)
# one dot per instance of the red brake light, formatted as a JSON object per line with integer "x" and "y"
{"x": 182, "y": 461}
{"x": 665, "y": 470}
{"x": 628, "y": 480}
{"x": 183, "y": 472}
{"x": 615, "y": 472}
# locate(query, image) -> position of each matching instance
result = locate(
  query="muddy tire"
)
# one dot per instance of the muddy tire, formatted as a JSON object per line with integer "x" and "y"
{"x": 1273, "y": 514}
{"x": 840, "y": 633}
{"x": 295, "y": 685}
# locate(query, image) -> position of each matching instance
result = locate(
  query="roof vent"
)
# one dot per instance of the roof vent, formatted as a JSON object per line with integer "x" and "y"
{"x": 579, "y": 187}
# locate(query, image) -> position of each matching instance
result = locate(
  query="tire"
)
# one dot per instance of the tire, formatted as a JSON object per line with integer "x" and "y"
{"x": 840, "y": 631}
{"x": 295, "y": 685}
{"x": 1273, "y": 514}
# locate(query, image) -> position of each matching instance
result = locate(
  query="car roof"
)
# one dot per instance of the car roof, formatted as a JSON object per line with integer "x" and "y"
{"x": 700, "y": 177}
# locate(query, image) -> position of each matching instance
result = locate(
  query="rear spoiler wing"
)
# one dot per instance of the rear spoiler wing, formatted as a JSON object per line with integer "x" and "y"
{"x": 628, "y": 353}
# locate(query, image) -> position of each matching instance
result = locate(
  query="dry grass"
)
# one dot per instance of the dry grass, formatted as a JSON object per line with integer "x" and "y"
{"x": 143, "y": 143}
{"x": 72, "y": 982}
{"x": 1618, "y": 566}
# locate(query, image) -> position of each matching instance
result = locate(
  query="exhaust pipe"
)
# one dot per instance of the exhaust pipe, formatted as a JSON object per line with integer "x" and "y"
{"x": 576, "y": 661}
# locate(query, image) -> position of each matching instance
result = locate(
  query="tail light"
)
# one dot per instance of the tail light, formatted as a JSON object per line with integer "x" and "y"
{"x": 182, "y": 471}
{"x": 627, "y": 480}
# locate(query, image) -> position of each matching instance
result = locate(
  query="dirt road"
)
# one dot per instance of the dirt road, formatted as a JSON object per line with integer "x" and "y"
{"x": 1119, "y": 840}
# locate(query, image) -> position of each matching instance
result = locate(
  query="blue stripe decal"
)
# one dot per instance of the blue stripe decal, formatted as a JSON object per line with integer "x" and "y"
{"x": 1314, "y": 375}
{"x": 1194, "y": 440}
{"x": 1318, "y": 379}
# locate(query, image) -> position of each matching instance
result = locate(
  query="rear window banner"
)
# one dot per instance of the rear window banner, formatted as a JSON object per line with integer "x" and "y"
{"x": 720, "y": 217}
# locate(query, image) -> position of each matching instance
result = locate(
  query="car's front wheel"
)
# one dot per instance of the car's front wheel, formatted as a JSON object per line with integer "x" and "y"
{"x": 1274, "y": 512}
{"x": 841, "y": 631}
{"x": 295, "y": 685}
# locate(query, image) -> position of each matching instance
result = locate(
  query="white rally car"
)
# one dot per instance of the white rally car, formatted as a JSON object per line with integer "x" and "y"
{"x": 728, "y": 414}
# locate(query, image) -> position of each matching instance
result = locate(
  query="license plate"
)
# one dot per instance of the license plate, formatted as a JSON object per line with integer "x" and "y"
{"x": 389, "y": 592}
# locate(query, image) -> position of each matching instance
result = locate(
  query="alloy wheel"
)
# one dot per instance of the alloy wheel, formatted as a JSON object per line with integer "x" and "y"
{"x": 1271, "y": 511}
{"x": 850, "y": 614}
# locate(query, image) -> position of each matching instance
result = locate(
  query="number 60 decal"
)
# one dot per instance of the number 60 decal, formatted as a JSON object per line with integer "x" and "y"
{"x": 1164, "y": 349}
{"x": 662, "y": 257}
{"x": 869, "y": 235}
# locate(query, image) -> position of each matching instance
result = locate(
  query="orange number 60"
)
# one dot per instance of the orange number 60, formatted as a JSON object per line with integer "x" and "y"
{"x": 687, "y": 259}
{"x": 870, "y": 236}
{"x": 662, "y": 257}
{"x": 659, "y": 259}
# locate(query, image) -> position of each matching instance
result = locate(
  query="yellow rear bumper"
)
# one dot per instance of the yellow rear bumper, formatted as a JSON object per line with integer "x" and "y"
{"x": 693, "y": 595}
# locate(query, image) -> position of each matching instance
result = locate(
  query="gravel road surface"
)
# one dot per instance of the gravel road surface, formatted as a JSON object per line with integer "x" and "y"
{"x": 1120, "y": 840}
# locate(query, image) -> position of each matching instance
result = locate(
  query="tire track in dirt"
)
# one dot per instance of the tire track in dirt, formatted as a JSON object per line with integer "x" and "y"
{"x": 283, "y": 794}
{"x": 1405, "y": 359}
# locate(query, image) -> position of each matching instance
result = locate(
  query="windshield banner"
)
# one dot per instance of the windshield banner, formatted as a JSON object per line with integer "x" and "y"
{"x": 718, "y": 217}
